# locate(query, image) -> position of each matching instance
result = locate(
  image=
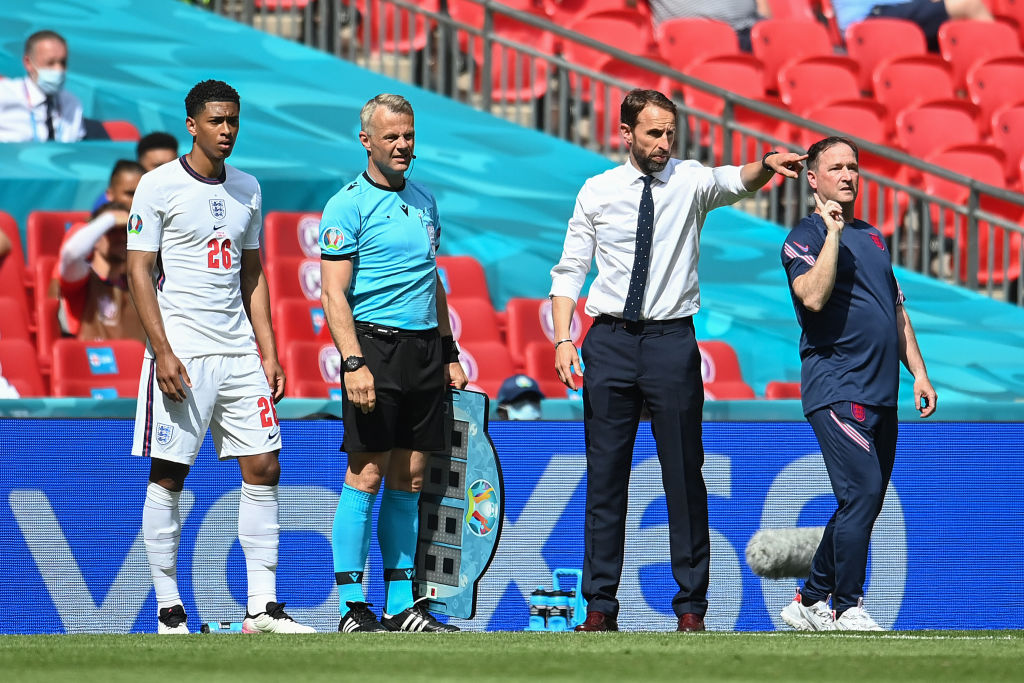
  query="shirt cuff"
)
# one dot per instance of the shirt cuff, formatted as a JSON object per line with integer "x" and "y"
{"x": 565, "y": 286}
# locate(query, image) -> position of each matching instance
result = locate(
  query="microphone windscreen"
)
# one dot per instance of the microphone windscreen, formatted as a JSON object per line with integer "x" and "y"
{"x": 783, "y": 553}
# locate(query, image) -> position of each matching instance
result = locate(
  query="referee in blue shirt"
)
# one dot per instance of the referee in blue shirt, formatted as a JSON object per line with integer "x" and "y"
{"x": 855, "y": 333}
{"x": 388, "y": 316}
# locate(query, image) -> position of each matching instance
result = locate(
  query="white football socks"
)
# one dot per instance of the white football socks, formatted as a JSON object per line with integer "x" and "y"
{"x": 161, "y": 528}
{"x": 259, "y": 534}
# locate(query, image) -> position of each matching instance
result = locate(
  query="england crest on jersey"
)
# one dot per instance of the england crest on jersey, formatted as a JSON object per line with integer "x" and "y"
{"x": 218, "y": 208}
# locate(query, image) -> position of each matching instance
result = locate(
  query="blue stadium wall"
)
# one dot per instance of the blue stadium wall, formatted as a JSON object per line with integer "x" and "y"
{"x": 950, "y": 533}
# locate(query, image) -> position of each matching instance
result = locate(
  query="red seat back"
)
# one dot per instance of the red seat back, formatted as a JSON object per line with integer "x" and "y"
{"x": 18, "y": 367}
{"x": 875, "y": 40}
{"x": 91, "y": 368}
{"x": 44, "y": 231}
{"x": 291, "y": 234}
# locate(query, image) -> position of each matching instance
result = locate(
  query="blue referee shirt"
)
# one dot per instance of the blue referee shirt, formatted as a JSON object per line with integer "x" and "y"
{"x": 392, "y": 237}
{"x": 850, "y": 350}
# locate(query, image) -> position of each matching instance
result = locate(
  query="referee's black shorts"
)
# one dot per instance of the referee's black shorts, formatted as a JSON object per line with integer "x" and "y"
{"x": 408, "y": 378}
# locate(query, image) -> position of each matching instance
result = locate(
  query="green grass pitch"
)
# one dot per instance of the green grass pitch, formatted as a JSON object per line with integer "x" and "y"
{"x": 933, "y": 656}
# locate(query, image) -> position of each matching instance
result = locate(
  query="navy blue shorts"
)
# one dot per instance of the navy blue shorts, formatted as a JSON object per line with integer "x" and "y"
{"x": 928, "y": 14}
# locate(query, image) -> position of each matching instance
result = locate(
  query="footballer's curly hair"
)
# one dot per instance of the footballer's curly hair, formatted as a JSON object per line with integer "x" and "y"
{"x": 209, "y": 91}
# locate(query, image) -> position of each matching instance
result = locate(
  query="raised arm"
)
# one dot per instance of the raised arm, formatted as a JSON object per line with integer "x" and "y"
{"x": 171, "y": 376}
{"x": 256, "y": 300}
{"x": 910, "y": 354}
{"x": 814, "y": 288}
{"x": 757, "y": 173}
{"x": 335, "y": 278}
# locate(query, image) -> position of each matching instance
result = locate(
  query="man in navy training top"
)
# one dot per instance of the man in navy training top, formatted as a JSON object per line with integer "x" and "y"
{"x": 855, "y": 333}
{"x": 388, "y": 315}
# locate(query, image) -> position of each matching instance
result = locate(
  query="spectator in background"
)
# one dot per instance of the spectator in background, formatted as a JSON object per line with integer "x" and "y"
{"x": 519, "y": 398}
{"x": 94, "y": 300}
{"x": 156, "y": 149}
{"x": 740, "y": 14}
{"x": 37, "y": 107}
{"x": 121, "y": 187}
{"x": 928, "y": 14}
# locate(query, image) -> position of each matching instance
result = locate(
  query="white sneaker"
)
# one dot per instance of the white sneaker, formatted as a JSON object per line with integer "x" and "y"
{"x": 857, "y": 619}
{"x": 817, "y": 617}
{"x": 273, "y": 620}
{"x": 172, "y": 621}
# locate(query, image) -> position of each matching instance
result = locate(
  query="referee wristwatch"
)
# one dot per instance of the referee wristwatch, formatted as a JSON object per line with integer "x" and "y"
{"x": 353, "y": 363}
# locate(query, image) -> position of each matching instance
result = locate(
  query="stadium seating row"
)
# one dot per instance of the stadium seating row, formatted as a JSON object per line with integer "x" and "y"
{"x": 495, "y": 345}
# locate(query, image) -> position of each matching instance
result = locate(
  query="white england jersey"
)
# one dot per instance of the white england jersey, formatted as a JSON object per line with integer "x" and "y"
{"x": 199, "y": 227}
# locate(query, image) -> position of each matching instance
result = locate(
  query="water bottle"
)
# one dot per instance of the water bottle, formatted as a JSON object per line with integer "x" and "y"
{"x": 538, "y": 609}
{"x": 221, "y": 627}
{"x": 558, "y": 616}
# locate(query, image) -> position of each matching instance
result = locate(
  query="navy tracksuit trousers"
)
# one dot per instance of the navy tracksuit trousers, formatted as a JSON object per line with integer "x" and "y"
{"x": 858, "y": 444}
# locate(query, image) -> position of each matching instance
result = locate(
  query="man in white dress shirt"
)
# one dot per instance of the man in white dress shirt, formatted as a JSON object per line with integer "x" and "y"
{"x": 37, "y": 107}
{"x": 642, "y": 220}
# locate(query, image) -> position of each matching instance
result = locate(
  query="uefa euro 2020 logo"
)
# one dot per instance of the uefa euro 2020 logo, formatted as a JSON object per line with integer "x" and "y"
{"x": 135, "y": 224}
{"x": 482, "y": 509}
{"x": 332, "y": 238}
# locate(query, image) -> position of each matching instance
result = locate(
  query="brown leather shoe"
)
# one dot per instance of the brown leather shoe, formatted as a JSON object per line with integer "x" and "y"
{"x": 598, "y": 621}
{"x": 689, "y": 622}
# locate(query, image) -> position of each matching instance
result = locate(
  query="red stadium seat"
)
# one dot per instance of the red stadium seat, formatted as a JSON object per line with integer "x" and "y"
{"x": 290, "y": 234}
{"x": 101, "y": 369}
{"x": 996, "y": 83}
{"x": 121, "y": 131}
{"x": 45, "y": 287}
{"x": 12, "y": 319}
{"x": 293, "y": 278}
{"x": 47, "y": 333}
{"x": 856, "y": 118}
{"x": 983, "y": 164}
{"x": 777, "y": 390}
{"x": 487, "y": 364}
{"x": 1008, "y": 135}
{"x": 44, "y": 231}
{"x": 564, "y": 12}
{"x": 800, "y": 82}
{"x": 473, "y": 320}
{"x": 529, "y": 321}
{"x": 18, "y": 367}
{"x": 686, "y": 41}
{"x": 626, "y": 30}
{"x": 12, "y": 284}
{"x": 297, "y": 320}
{"x": 515, "y": 75}
{"x": 777, "y": 42}
{"x": 964, "y": 43}
{"x": 462, "y": 277}
{"x": 931, "y": 127}
{"x": 720, "y": 370}
{"x": 9, "y": 227}
{"x": 1012, "y": 12}
{"x": 540, "y": 365}
{"x": 313, "y": 369}
{"x": 742, "y": 75}
{"x": 386, "y": 27}
{"x": 873, "y": 41}
{"x": 906, "y": 81}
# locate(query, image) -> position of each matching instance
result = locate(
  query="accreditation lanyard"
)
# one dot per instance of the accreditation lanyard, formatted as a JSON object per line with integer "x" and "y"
{"x": 32, "y": 115}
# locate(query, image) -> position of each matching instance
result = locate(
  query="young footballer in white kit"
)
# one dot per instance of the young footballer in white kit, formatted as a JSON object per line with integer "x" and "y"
{"x": 211, "y": 360}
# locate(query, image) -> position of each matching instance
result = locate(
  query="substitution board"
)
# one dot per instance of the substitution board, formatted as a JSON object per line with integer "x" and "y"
{"x": 461, "y": 511}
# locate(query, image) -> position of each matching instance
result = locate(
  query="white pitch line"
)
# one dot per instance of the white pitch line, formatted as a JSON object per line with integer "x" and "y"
{"x": 878, "y": 635}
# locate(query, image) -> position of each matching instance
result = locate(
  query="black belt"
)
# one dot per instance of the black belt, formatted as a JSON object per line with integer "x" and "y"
{"x": 387, "y": 332}
{"x": 643, "y": 325}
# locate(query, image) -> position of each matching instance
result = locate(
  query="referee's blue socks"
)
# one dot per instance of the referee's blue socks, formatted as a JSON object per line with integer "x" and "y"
{"x": 397, "y": 532}
{"x": 350, "y": 542}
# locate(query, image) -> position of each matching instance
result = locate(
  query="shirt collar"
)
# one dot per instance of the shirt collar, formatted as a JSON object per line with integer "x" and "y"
{"x": 635, "y": 175}
{"x": 35, "y": 95}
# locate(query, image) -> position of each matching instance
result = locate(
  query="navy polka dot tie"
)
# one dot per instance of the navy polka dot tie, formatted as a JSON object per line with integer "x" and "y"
{"x": 641, "y": 255}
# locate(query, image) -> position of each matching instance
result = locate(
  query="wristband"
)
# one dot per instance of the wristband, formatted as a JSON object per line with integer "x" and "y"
{"x": 562, "y": 341}
{"x": 450, "y": 349}
{"x": 765, "y": 158}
